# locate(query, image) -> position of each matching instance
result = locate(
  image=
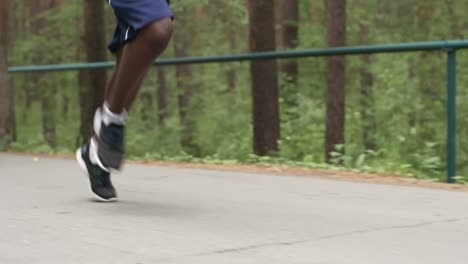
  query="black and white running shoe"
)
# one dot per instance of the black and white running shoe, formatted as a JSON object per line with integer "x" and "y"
{"x": 110, "y": 142}
{"x": 100, "y": 180}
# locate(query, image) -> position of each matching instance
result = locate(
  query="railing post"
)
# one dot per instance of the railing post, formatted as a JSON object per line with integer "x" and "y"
{"x": 451, "y": 114}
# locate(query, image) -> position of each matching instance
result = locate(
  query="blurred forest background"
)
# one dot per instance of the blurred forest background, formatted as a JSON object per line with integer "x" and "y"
{"x": 386, "y": 112}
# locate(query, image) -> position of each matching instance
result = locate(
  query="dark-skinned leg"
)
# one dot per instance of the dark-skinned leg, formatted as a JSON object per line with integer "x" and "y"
{"x": 100, "y": 179}
{"x": 137, "y": 57}
{"x": 111, "y": 81}
{"x": 131, "y": 98}
{"x": 107, "y": 150}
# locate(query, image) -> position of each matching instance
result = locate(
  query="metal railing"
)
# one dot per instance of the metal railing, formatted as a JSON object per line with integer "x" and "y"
{"x": 449, "y": 47}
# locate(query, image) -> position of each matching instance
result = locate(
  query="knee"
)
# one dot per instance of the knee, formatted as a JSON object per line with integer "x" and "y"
{"x": 159, "y": 33}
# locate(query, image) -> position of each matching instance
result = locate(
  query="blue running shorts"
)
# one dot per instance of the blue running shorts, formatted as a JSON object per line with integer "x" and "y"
{"x": 133, "y": 15}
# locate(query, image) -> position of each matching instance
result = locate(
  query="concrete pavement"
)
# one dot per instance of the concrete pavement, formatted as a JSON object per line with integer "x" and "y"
{"x": 170, "y": 215}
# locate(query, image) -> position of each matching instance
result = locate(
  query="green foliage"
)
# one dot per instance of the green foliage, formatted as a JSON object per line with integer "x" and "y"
{"x": 409, "y": 90}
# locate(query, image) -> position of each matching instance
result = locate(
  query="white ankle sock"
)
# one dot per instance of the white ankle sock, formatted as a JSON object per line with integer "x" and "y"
{"x": 108, "y": 117}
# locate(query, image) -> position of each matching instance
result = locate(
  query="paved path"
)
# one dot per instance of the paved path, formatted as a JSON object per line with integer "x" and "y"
{"x": 169, "y": 215}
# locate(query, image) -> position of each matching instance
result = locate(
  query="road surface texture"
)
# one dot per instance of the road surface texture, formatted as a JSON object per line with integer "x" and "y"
{"x": 171, "y": 215}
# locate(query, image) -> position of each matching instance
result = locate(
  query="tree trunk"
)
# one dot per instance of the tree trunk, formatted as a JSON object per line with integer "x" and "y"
{"x": 457, "y": 31}
{"x": 288, "y": 12}
{"x": 264, "y": 78}
{"x": 95, "y": 47}
{"x": 289, "y": 19}
{"x": 162, "y": 96}
{"x": 6, "y": 93}
{"x": 316, "y": 16}
{"x": 231, "y": 34}
{"x": 187, "y": 87}
{"x": 231, "y": 70}
{"x": 336, "y": 82}
{"x": 146, "y": 101}
{"x": 47, "y": 92}
{"x": 425, "y": 69}
{"x": 367, "y": 92}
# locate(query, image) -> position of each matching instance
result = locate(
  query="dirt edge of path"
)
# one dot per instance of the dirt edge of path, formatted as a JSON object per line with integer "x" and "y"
{"x": 346, "y": 176}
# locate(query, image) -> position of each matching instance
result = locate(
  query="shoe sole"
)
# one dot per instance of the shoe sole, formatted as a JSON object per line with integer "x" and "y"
{"x": 83, "y": 167}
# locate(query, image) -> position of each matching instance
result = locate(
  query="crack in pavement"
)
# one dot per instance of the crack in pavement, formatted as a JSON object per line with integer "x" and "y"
{"x": 372, "y": 230}
{"x": 321, "y": 238}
